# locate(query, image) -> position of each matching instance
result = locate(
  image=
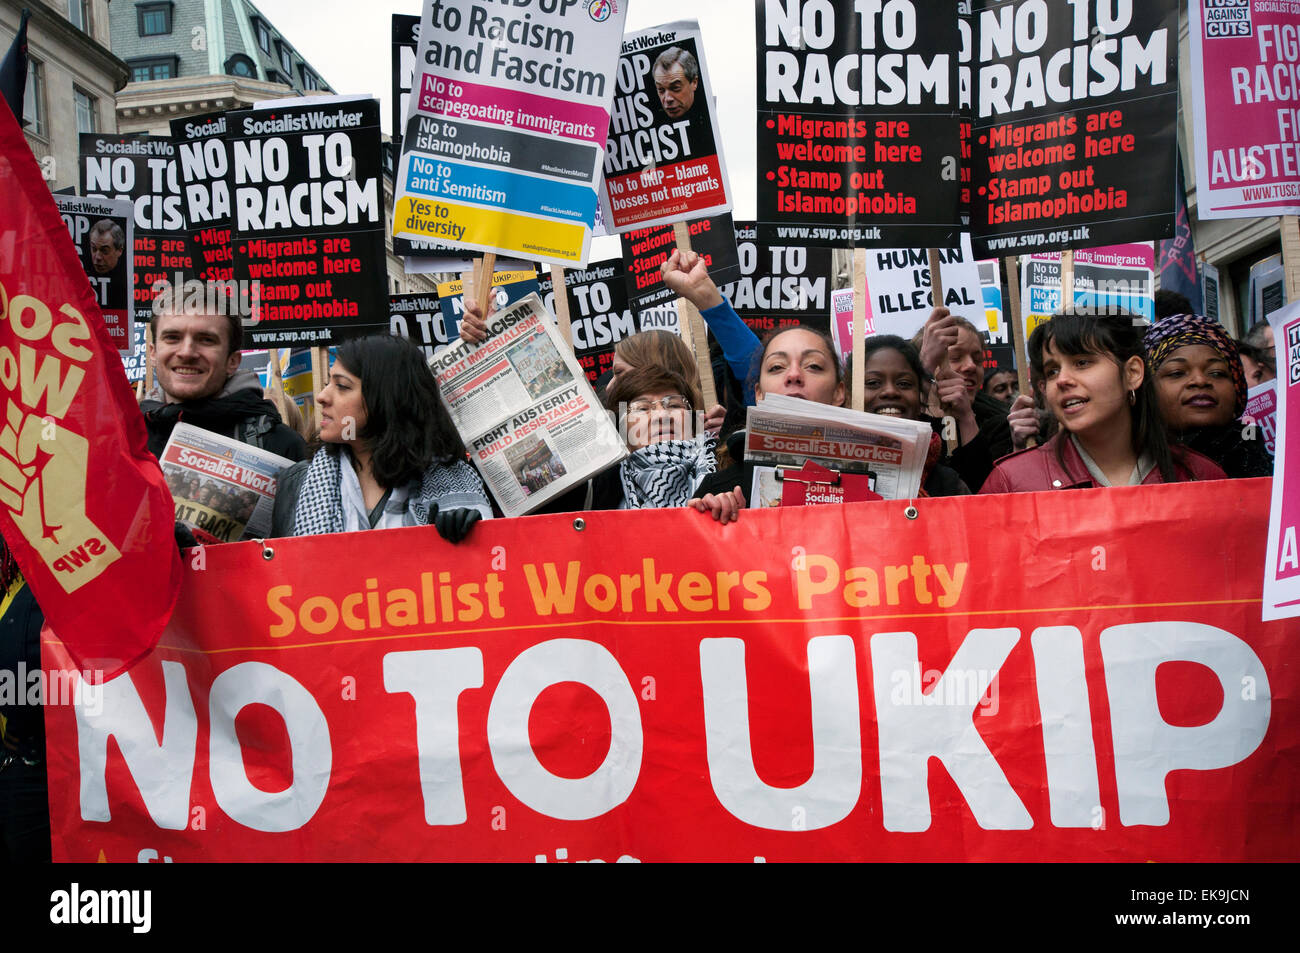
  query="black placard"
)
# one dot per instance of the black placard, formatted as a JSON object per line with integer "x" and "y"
{"x": 780, "y": 285}
{"x": 307, "y": 201}
{"x": 645, "y": 249}
{"x": 418, "y": 317}
{"x": 1075, "y": 138}
{"x": 204, "y": 162}
{"x": 142, "y": 170}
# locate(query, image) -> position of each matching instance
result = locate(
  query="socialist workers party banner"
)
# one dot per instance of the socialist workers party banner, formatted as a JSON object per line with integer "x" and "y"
{"x": 103, "y": 231}
{"x": 204, "y": 154}
{"x": 1282, "y": 568}
{"x": 657, "y": 687}
{"x": 1076, "y": 106}
{"x": 308, "y": 204}
{"x": 505, "y": 129}
{"x": 83, "y": 505}
{"x": 1246, "y": 104}
{"x": 663, "y": 162}
{"x": 144, "y": 171}
{"x": 779, "y": 285}
{"x": 599, "y": 313}
{"x": 858, "y": 124}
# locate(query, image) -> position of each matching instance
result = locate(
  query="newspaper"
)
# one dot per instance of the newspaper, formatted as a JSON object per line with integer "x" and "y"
{"x": 530, "y": 420}
{"x": 787, "y": 431}
{"x": 223, "y": 489}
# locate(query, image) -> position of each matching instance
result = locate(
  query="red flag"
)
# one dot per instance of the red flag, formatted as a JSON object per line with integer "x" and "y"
{"x": 83, "y": 504}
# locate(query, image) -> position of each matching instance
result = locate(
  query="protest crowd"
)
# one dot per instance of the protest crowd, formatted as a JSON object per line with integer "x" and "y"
{"x": 1113, "y": 399}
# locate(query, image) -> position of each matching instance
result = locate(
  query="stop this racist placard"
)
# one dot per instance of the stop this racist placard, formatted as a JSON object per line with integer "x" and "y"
{"x": 646, "y": 249}
{"x": 779, "y": 285}
{"x": 663, "y": 159}
{"x": 658, "y": 687}
{"x": 1076, "y": 104}
{"x": 204, "y": 160}
{"x": 144, "y": 171}
{"x": 308, "y": 205}
{"x": 599, "y": 313}
{"x": 858, "y": 125}
{"x": 1246, "y": 100}
{"x": 103, "y": 232}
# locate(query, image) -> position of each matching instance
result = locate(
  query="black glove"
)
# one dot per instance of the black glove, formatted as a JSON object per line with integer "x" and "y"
{"x": 184, "y": 538}
{"x": 454, "y": 525}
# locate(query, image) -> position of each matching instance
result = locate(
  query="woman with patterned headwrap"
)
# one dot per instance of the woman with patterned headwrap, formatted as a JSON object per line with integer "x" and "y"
{"x": 1201, "y": 389}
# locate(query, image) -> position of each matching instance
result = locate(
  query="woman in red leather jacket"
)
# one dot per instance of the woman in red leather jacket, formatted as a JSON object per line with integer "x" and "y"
{"x": 1092, "y": 371}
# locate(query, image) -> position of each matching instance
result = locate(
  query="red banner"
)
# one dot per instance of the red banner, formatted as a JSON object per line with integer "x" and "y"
{"x": 98, "y": 553}
{"x": 1068, "y": 676}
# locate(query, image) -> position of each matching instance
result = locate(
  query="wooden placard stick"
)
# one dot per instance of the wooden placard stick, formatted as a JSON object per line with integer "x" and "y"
{"x": 937, "y": 296}
{"x": 277, "y": 382}
{"x": 148, "y": 358}
{"x": 483, "y": 287}
{"x": 561, "y": 291}
{"x": 1291, "y": 255}
{"x": 1014, "y": 330}
{"x": 858, "y": 396}
{"x": 693, "y": 327}
{"x": 1067, "y": 280}
{"x": 320, "y": 372}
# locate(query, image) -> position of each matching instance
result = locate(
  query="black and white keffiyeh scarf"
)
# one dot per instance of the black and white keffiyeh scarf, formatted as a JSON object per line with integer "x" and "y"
{"x": 331, "y": 500}
{"x": 666, "y": 474}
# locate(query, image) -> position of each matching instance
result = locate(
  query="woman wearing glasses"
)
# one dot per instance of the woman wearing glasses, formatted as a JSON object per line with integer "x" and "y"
{"x": 657, "y": 410}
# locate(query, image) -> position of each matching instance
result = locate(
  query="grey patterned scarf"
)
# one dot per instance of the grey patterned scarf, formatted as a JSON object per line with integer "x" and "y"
{"x": 324, "y": 507}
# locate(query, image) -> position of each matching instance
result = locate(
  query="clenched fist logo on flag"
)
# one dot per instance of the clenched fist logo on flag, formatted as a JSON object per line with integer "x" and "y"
{"x": 83, "y": 505}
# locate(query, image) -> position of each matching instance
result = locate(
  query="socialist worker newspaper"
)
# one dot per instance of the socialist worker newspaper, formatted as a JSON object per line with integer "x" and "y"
{"x": 523, "y": 406}
{"x": 223, "y": 489}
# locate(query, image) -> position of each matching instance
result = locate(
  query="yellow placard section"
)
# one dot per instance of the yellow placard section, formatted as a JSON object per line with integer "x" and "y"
{"x": 509, "y": 233}
{"x": 991, "y": 317}
{"x": 450, "y": 289}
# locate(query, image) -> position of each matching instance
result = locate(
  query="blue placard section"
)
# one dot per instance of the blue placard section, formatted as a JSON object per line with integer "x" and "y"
{"x": 496, "y": 188}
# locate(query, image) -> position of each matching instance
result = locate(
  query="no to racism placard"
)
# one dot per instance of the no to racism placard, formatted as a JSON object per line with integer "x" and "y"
{"x": 1246, "y": 104}
{"x": 858, "y": 124}
{"x": 308, "y": 204}
{"x": 663, "y": 160}
{"x": 418, "y": 317}
{"x": 103, "y": 232}
{"x": 505, "y": 127}
{"x": 204, "y": 160}
{"x": 779, "y": 285}
{"x": 1076, "y": 105}
{"x": 658, "y": 687}
{"x": 646, "y": 249}
{"x": 144, "y": 171}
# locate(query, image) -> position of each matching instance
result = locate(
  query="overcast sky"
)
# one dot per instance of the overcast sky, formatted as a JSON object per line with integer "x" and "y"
{"x": 350, "y": 44}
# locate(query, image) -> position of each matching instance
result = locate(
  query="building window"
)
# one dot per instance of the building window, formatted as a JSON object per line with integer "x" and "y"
{"x": 79, "y": 14}
{"x": 309, "y": 80}
{"x": 263, "y": 34}
{"x": 87, "y": 107}
{"x": 34, "y": 98}
{"x": 241, "y": 65}
{"x": 155, "y": 19}
{"x": 157, "y": 67}
{"x": 275, "y": 76}
{"x": 286, "y": 58}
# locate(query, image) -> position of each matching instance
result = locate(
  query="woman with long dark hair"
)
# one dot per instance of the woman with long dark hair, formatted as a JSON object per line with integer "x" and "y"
{"x": 1095, "y": 382}
{"x": 391, "y": 455}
